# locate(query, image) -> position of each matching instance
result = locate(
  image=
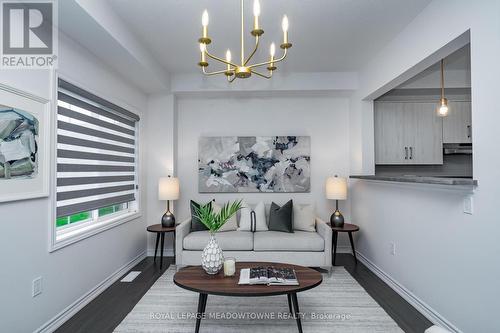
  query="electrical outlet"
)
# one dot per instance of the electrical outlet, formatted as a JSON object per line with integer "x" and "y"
{"x": 37, "y": 286}
{"x": 392, "y": 248}
{"x": 468, "y": 207}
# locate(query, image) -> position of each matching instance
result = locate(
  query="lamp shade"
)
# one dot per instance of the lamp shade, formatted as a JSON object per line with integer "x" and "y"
{"x": 168, "y": 188}
{"x": 336, "y": 188}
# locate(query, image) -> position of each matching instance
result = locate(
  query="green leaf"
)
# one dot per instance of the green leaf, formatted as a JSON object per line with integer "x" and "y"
{"x": 214, "y": 221}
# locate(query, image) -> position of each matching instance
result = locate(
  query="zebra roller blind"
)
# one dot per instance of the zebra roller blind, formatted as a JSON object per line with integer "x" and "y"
{"x": 96, "y": 152}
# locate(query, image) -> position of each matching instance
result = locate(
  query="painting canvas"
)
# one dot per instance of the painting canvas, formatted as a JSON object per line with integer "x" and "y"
{"x": 24, "y": 145}
{"x": 19, "y": 132}
{"x": 254, "y": 164}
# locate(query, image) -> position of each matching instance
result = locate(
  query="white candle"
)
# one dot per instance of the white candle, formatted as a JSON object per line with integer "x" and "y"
{"x": 229, "y": 267}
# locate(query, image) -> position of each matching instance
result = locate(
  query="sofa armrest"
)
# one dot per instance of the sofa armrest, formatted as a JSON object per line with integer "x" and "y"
{"x": 181, "y": 231}
{"x": 325, "y": 231}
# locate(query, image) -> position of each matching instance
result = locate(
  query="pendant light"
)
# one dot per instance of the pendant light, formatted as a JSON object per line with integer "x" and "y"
{"x": 442, "y": 109}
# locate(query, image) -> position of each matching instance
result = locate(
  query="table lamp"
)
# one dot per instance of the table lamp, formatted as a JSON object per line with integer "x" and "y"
{"x": 168, "y": 189}
{"x": 336, "y": 189}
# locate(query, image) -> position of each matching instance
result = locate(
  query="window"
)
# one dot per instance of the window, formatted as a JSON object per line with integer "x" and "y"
{"x": 96, "y": 162}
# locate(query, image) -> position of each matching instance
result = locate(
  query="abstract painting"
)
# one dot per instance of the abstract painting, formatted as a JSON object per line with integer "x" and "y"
{"x": 24, "y": 145}
{"x": 18, "y": 144}
{"x": 254, "y": 164}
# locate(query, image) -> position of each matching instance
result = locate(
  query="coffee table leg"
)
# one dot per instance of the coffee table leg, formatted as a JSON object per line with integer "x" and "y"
{"x": 289, "y": 296}
{"x": 156, "y": 246}
{"x": 202, "y": 303}
{"x": 296, "y": 311}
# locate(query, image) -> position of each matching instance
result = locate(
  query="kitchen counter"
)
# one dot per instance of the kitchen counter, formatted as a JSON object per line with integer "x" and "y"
{"x": 421, "y": 180}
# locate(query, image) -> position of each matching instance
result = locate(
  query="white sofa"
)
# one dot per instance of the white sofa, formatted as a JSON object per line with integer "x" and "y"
{"x": 312, "y": 249}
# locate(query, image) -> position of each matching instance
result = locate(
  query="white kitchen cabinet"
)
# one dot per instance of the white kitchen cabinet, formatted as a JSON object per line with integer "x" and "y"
{"x": 407, "y": 133}
{"x": 457, "y": 126}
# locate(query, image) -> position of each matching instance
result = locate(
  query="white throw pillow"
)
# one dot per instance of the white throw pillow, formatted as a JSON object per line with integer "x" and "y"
{"x": 303, "y": 218}
{"x": 231, "y": 224}
{"x": 260, "y": 217}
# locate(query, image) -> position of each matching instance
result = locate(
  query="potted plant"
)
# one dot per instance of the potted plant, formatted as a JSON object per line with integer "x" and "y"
{"x": 212, "y": 257}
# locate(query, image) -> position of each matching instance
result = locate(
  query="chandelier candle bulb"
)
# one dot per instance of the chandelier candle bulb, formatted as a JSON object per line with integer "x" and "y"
{"x": 284, "y": 26}
{"x": 204, "y": 22}
{"x": 256, "y": 14}
{"x": 228, "y": 59}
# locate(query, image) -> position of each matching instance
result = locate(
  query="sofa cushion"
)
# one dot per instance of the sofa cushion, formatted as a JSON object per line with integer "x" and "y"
{"x": 231, "y": 224}
{"x": 228, "y": 240}
{"x": 246, "y": 217}
{"x": 196, "y": 224}
{"x": 303, "y": 218}
{"x": 298, "y": 241}
{"x": 281, "y": 218}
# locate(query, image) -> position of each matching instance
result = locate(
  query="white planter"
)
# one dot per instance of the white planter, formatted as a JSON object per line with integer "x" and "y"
{"x": 212, "y": 257}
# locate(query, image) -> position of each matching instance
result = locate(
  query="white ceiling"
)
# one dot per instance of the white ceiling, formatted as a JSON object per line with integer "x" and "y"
{"x": 327, "y": 35}
{"x": 146, "y": 40}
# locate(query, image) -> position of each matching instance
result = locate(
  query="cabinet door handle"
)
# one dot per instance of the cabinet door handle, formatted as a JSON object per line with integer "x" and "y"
{"x": 411, "y": 153}
{"x": 469, "y": 131}
{"x": 406, "y": 153}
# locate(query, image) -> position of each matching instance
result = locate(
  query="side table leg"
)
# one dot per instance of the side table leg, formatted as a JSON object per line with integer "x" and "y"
{"x": 334, "y": 237}
{"x": 161, "y": 250}
{"x": 296, "y": 311}
{"x": 352, "y": 247}
{"x": 174, "y": 247}
{"x": 156, "y": 246}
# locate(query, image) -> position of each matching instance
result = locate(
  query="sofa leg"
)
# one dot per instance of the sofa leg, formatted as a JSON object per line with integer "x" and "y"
{"x": 328, "y": 269}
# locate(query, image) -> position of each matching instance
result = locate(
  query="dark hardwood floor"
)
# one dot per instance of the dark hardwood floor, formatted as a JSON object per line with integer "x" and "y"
{"x": 107, "y": 310}
{"x": 403, "y": 313}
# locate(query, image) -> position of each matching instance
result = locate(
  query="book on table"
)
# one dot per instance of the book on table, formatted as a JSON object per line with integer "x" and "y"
{"x": 269, "y": 275}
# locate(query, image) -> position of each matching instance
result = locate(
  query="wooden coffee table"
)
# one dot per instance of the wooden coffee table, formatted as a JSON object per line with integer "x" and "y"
{"x": 195, "y": 279}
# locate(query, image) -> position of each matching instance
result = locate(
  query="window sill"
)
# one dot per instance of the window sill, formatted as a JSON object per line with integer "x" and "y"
{"x": 84, "y": 232}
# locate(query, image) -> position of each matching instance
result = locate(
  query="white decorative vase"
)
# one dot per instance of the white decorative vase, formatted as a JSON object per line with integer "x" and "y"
{"x": 212, "y": 258}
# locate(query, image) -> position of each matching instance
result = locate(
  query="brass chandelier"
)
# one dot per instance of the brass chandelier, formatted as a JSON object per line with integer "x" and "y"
{"x": 244, "y": 69}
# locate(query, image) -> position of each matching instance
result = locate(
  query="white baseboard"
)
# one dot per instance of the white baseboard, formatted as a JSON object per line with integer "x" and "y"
{"x": 417, "y": 303}
{"x": 166, "y": 252}
{"x": 72, "y": 309}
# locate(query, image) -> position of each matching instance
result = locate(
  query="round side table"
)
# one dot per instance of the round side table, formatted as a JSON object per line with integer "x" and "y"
{"x": 160, "y": 234}
{"x": 349, "y": 228}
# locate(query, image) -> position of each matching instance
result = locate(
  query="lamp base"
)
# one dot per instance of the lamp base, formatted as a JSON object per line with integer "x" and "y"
{"x": 168, "y": 220}
{"x": 337, "y": 219}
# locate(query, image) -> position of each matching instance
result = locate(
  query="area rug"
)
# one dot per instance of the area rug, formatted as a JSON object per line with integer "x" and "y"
{"x": 338, "y": 305}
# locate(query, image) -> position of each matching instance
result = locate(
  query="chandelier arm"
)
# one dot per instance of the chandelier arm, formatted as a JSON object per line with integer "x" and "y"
{"x": 232, "y": 79}
{"x": 213, "y": 73}
{"x": 269, "y": 62}
{"x": 253, "y": 52}
{"x": 219, "y": 59}
{"x": 262, "y": 75}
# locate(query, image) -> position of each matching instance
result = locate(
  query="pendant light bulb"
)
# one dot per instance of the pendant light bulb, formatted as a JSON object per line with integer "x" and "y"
{"x": 228, "y": 56}
{"x": 272, "y": 50}
{"x": 202, "y": 47}
{"x": 443, "y": 108}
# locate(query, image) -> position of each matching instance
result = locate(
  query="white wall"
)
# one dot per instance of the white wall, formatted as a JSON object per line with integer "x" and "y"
{"x": 447, "y": 259}
{"x": 323, "y": 118}
{"x": 70, "y": 272}
{"x": 161, "y": 136}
